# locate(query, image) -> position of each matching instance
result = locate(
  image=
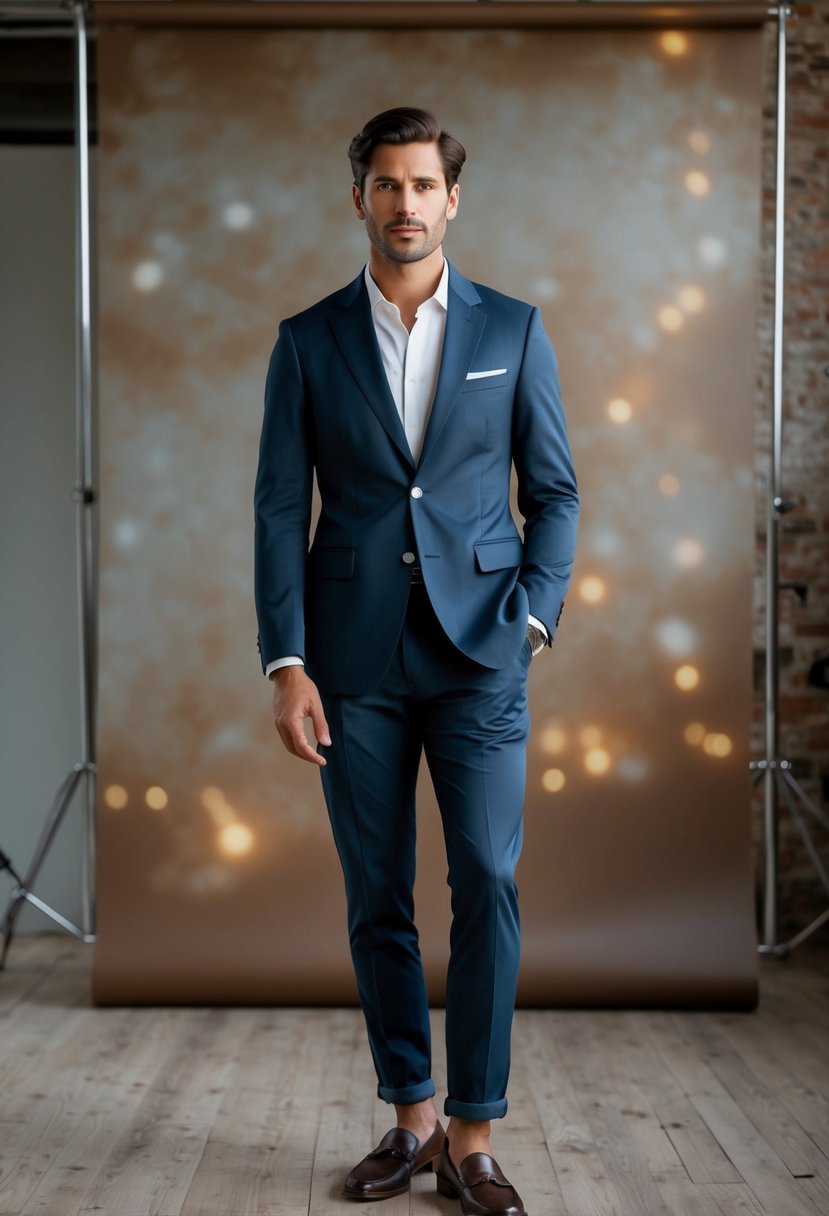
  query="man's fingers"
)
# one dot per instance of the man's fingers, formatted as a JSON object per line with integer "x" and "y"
{"x": 292, "y": 734}
{"x": 319, "y": 723}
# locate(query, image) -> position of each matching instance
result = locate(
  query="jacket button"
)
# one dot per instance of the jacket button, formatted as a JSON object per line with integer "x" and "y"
{"x": 417, "y": 492}
{"x": 408, "y": 558}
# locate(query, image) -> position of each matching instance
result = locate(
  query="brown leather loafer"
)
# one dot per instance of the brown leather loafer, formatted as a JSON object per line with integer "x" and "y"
{"x": 388, "y": 1170}
{"x": 479, "y": 1184}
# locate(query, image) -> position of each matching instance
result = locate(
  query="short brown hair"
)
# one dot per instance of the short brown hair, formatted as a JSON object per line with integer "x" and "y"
{"x": 404, "y": 125}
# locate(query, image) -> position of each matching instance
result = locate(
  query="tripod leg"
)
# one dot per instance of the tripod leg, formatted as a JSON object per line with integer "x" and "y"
{"x": 805, "y": 799}
{"x": 804, "y": 831}
{"x": 61, "y": 801}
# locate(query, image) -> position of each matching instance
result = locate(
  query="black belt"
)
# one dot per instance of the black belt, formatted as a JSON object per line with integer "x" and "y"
{"x": 417, "y": 574}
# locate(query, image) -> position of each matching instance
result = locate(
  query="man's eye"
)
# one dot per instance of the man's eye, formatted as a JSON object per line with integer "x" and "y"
{"x": 384, "y": 185}
{"x": 425, "y": 185}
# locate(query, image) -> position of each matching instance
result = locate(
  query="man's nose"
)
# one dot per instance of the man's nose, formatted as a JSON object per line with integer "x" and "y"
{"x": 406, "y": 201}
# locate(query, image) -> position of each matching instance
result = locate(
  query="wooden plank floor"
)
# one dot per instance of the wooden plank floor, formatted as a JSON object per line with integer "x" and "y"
{"x": 260, "y": 1112}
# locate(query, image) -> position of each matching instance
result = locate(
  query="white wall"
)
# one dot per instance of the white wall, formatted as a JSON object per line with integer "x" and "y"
{"x": 39, "y": 663}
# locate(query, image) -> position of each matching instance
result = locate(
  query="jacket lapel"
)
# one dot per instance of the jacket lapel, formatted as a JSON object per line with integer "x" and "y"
{"x": 354, "y": 331}
{"x": 465, "y": 322}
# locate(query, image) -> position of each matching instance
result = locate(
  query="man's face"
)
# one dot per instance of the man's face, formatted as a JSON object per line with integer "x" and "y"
{"x": 405, "y": 203}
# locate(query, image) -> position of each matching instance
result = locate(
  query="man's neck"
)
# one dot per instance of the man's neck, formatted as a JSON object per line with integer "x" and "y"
{"x": 406, "y": 284}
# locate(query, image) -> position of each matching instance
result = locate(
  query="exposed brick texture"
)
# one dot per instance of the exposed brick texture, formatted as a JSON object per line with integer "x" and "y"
{"x": 804, "y": 532}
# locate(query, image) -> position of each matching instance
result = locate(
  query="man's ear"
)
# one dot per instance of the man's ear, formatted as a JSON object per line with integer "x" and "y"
{"x": 452, "y": 205}
{"x": 357, "y": 200}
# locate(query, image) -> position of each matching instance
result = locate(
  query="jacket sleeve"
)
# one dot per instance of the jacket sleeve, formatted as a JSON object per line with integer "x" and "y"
{"x": 282, "y": 506}
{"x": 548, "y": 496}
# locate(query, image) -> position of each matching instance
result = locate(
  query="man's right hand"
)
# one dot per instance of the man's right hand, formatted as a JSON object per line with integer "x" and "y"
{"x": 295, "y": 698}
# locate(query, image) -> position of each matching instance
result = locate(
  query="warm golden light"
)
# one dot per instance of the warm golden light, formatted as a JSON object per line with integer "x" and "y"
{"x": 697, "y": 183}
{"x": 668, "y": 485}
{"x": 670, "y": 318}
{"x": 619, "y": 411}
{"x": 597, "y": 761}
{"x": 590, "y": 736}
{"x": 553, "y": 740}
{"x": 553, "y": 780}
{"x": 115, "y": 796}
{"x": 686, "y": 677}
{"x": 698, "y": 141}
{"x": 592, "y": 589}
{"x": 688, "y": 552}
{"x": 694, "y": 733}
{"x": 156, "y": 798}
{"x": 691, "y": 298}
{"x": 235, "y": 839}
{"x": 716, "y": 744}
{"x": 215, "y": 803}
{"x": 673, "y": 42}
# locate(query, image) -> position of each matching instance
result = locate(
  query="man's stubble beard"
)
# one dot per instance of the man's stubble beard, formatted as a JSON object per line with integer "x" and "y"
{"x": 405, "y": 253}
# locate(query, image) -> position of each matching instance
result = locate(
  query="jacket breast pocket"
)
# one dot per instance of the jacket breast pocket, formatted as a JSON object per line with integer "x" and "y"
{"x": 331, "y": 562}
{"x": 499, "y": 554}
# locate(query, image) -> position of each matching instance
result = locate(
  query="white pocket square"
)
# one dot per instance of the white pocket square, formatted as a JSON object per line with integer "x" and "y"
{"x": 496, "y": 371}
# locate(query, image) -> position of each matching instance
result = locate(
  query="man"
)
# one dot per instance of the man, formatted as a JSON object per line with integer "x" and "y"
{"x": 411, "y": 623}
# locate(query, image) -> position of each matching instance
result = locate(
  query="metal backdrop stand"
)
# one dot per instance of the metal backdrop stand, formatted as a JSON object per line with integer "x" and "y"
{"x": 82, "y": 774}
{"x": 775, "y": 771}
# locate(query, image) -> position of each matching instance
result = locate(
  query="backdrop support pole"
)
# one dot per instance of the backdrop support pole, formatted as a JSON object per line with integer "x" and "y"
{"x": 82, "y": 774}
{"x": 772, "y": 770}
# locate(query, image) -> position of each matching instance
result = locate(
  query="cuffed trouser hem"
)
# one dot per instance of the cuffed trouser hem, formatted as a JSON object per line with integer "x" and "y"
{"x": 475, "y": 1110}
{"x": 409, "y": 1093}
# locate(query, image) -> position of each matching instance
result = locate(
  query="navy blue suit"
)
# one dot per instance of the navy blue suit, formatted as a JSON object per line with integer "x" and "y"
{"x": 403, "y": 669}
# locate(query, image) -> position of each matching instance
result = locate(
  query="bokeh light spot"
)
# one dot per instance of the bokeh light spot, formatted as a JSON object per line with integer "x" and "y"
{"x": 553, "y": 780}
{"x": 156, "y": 798}
{"x": 676, "y": 636}
{"x": 115, "y": 796}
{"x": 694, "y": 733}
{"x": 590, "y": 736}
{"x": 686, "y": 677}
{"x": 691, "y": 298}
{"x": 553, "y": 740}
{"x": 670, "y": 318}
{"x": 238, "y": 216}
{"x": 235, "y": 839}
{"x": 592, "y": 589}
{"x": 697, "y": 183}
{"x": 716, "y": 744}
{"x": 668, "y": 485}
{"x": 619, "y": 411}
{"x": 688, "y": 552}
{"x": 673, "y": 42}
{"x": 698, "y": 141}
{"x": 597, "y": 761}
{"x": 147, "y": 276}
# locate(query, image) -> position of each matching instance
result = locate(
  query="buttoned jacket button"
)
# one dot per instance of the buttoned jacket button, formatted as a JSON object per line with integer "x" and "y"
{"x": 417, "y": 492}
{"x": 408, "y": 558}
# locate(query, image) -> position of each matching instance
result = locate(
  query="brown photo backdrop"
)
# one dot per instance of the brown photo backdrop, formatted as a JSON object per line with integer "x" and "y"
{"x": 613, "y": 179}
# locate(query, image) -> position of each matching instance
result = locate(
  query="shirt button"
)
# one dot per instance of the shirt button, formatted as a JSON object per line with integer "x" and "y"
{"x": 417, "y": 492}
{"x": 408, "y": 558}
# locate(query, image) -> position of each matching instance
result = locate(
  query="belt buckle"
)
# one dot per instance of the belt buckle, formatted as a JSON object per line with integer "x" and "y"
{"x": 417, "y": 574}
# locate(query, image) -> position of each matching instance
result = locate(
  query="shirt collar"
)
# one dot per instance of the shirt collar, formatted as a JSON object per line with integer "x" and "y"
{"x": 441, "y": 296}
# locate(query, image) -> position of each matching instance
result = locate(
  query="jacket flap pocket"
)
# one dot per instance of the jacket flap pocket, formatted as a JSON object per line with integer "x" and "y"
{"x": 332, "y": 563}
{"x": 499, "y": 554}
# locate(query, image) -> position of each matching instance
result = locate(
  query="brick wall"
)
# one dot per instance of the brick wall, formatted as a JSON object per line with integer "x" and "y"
{"x": 804, "y": 532}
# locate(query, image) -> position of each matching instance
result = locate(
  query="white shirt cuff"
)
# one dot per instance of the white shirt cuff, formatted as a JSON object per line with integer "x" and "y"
{"x": 533, "y": 620}
{"x": 292, "y": 660}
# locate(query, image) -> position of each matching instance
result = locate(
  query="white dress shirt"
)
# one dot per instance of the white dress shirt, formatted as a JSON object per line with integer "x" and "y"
{"x": 411, "y": 361}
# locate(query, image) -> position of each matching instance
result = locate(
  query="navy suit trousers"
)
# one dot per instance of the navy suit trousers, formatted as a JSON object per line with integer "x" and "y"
{"x": 472, "y": 723}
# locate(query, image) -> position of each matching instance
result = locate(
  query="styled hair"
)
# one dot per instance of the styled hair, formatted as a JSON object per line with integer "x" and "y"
{"x": 404, "y": 125}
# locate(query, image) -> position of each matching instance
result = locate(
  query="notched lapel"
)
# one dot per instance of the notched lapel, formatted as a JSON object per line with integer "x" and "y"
{"x": 464, "y": 325}
{"x": 355, "y": 336}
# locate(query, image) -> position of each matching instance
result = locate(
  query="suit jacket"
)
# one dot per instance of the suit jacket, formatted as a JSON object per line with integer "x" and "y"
{"x": 329, "y": 409}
